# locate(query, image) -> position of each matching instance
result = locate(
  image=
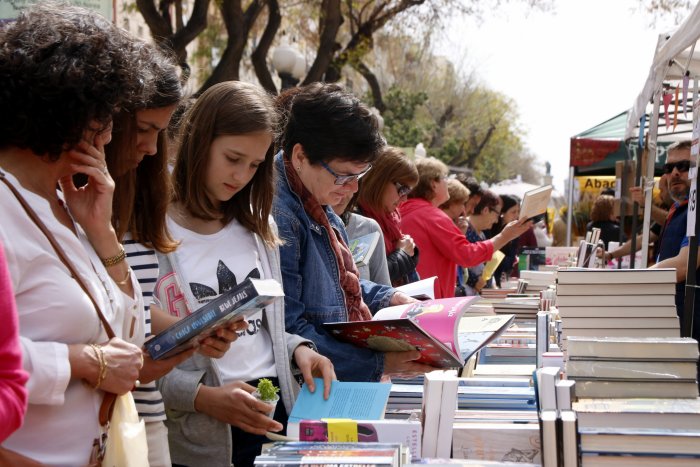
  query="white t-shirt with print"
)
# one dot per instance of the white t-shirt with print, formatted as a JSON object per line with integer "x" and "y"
{"x": 212, "y": 264}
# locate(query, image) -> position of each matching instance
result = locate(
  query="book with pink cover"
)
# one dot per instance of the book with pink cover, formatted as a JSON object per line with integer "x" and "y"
{"x": 431, "y": 326}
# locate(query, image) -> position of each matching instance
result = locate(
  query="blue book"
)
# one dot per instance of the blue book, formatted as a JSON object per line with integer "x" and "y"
{"x": 358, "y": 401}
{"x": 244, "y": 299}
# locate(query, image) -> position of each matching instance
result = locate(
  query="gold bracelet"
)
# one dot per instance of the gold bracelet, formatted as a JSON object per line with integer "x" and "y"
{"x": 100, "y": 355}
{"x": 126, "y": 279}
{"x": 116, "y": 259}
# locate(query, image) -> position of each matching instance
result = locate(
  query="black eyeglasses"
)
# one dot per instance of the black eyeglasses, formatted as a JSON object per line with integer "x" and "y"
{"x": 682, "y": 166}
{"x": 345, "y": 179}
{"x": 402, "y": 190}
{"x": 495, "y": 211}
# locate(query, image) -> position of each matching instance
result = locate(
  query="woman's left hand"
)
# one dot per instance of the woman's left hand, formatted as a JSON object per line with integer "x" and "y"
{"x": 90, "y": 205}
{"x": 312, "y": 363}
{"x": 400, "y": 298}
{"x": 216, "y": 345}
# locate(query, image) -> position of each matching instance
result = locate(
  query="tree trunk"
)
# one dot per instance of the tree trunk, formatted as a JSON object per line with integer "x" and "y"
{"x": 373, "y": 83}
{"x": 446, "y": 116}
{"x": 330, "y": 20}
{"x": 259, "y": 56}
{"x": 162, "y": 29}
{"x": 238, "y": 26}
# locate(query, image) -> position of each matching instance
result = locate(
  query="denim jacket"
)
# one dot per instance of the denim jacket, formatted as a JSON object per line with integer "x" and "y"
{"x": 313, "y": 295}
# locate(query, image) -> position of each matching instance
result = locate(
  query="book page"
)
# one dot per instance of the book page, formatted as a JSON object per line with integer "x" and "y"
{"x": 358, "y": 401}
{"x": 437, "y": 317}
{"x": 491, "y": 265}
{"x": 535, "y": 202}
{"x": 423, "y": 289}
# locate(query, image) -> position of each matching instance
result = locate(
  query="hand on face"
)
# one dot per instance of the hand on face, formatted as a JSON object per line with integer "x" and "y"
{"x": 90, "y": 205}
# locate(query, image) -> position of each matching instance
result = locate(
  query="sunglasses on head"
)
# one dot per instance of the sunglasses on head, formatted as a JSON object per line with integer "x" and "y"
{"x": 401, "y": 189}
{"x": 682, "y": 166}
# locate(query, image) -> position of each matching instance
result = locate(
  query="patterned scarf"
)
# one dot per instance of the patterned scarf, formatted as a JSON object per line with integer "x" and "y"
{"x": 349, "y": 275}
{"x": 389, "y": 223}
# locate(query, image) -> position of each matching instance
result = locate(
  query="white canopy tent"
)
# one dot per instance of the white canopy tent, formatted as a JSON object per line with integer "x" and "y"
{"x": 675, "y": 57}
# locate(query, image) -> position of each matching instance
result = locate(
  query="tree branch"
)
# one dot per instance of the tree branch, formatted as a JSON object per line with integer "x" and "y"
{"x": 330, "y": 21}
{"x": 260, "y": 53}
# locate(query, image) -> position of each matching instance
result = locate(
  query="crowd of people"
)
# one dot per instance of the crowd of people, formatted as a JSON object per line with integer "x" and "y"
{"x": 128, "y": 205}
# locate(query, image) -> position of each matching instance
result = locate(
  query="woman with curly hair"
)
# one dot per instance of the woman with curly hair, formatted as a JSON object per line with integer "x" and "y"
{"x": 64, "y": 71}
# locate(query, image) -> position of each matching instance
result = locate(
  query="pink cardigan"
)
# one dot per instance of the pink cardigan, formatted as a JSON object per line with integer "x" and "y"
{"x": 13, "y": 394}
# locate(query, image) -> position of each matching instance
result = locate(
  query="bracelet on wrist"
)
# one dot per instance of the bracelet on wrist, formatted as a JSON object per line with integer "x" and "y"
{"x": 100, "y": 355}
{"x": 126, "y": 279}
{"x": 116, "y": 259}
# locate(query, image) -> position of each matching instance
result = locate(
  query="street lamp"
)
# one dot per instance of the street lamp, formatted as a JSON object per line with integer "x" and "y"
{"x": 289, "y": 63}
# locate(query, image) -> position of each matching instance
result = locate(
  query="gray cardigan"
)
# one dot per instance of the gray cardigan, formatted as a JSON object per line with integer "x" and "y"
{"x": 196, "y": 438}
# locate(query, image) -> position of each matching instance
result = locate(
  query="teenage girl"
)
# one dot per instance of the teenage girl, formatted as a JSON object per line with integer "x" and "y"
{"x": 220, "y": 213}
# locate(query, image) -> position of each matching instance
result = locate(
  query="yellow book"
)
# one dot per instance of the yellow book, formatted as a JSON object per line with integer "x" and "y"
{"x": 491, "y": 265}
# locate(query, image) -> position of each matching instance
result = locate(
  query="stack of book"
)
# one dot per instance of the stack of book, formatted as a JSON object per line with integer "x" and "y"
{"x": 617, "y": 303}
{"x": 517, "y": 345}
{"x": 608, "y": 367}
{"x": 520, "y": 306}
{"x": 538, "y": 280}
{"x": 496, "y": 420}
{"x": 324, "y": 453}
{"x": 639, "y": 432}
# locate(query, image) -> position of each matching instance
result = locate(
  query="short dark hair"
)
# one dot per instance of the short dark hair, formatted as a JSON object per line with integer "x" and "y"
{"x": 62, "y": 68}
{"x": 489, "y": 199}
{"x": 471, "y": 183}
{"x": 329, "y": 123}
{"x": 226, "y": 109}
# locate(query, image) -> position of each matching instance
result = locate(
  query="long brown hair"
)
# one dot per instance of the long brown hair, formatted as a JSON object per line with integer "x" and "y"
{"x": 141, "y": 195}
{"x": 226, "y": 109}
{"x": 391, "y": 166}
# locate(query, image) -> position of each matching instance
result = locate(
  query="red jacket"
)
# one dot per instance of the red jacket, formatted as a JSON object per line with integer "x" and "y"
{"x": 442, "y": 245}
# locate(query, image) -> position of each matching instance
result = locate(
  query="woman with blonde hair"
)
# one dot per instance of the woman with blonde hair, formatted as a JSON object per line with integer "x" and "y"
{"x": 383, "y": 189}
{"x": 442, "y": 244}
{"x": 456, "y": 206}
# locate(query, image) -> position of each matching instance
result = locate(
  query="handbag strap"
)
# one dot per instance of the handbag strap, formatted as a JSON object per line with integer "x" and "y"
{"x": 109, "y": 398}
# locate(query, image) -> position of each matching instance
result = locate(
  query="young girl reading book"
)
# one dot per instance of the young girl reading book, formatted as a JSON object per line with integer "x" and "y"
{"x": 220, "y": 212}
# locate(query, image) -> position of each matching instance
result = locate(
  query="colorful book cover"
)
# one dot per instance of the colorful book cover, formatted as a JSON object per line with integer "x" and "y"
{"x": 431, "y": 326}
{"x": 242, "y": 300}
{"x": 363, "y": 247}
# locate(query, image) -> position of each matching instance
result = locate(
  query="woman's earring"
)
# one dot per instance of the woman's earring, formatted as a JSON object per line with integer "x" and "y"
{"x": 298, "y": 168}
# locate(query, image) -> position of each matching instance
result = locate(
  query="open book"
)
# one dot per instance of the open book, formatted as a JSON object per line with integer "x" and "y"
{"x": 243, "y": 300}
{"x": 423, "y": 289}
{"x": 535, "y": 202}
{"x": 436, "y": 328}
{"x": 363, "y": 247}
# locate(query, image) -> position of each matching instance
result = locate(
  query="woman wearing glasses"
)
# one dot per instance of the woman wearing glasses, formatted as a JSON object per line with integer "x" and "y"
{"x": 385, "y": 187}
{"x": 486, "y": 215}
{"x": 328, "y": 140}
{"x": 443, "y": 246}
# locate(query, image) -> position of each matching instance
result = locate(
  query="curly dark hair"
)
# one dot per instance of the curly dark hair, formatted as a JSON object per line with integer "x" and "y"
{"x": 329, "y": 123}
{"x": 63, "y": 70}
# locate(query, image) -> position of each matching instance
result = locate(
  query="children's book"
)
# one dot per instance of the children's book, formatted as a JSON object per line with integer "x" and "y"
{"x": 363, "y": 247}
{"x": 432, "y": 326}
{"x": 243, "y": 300}
{"x": 535, "y": 202}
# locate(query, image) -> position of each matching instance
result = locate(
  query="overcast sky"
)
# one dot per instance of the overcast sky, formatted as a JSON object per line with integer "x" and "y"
{"x": 567, "y": 70}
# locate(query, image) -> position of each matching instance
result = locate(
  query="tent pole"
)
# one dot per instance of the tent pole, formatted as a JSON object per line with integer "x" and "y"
{"x": 691, "y": 267}
{"x": 649, "y": 173}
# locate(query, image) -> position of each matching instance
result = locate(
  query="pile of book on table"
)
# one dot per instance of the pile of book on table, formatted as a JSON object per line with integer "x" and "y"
{"x": 617, "y": 303}
{"x": 335, "y": 454}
